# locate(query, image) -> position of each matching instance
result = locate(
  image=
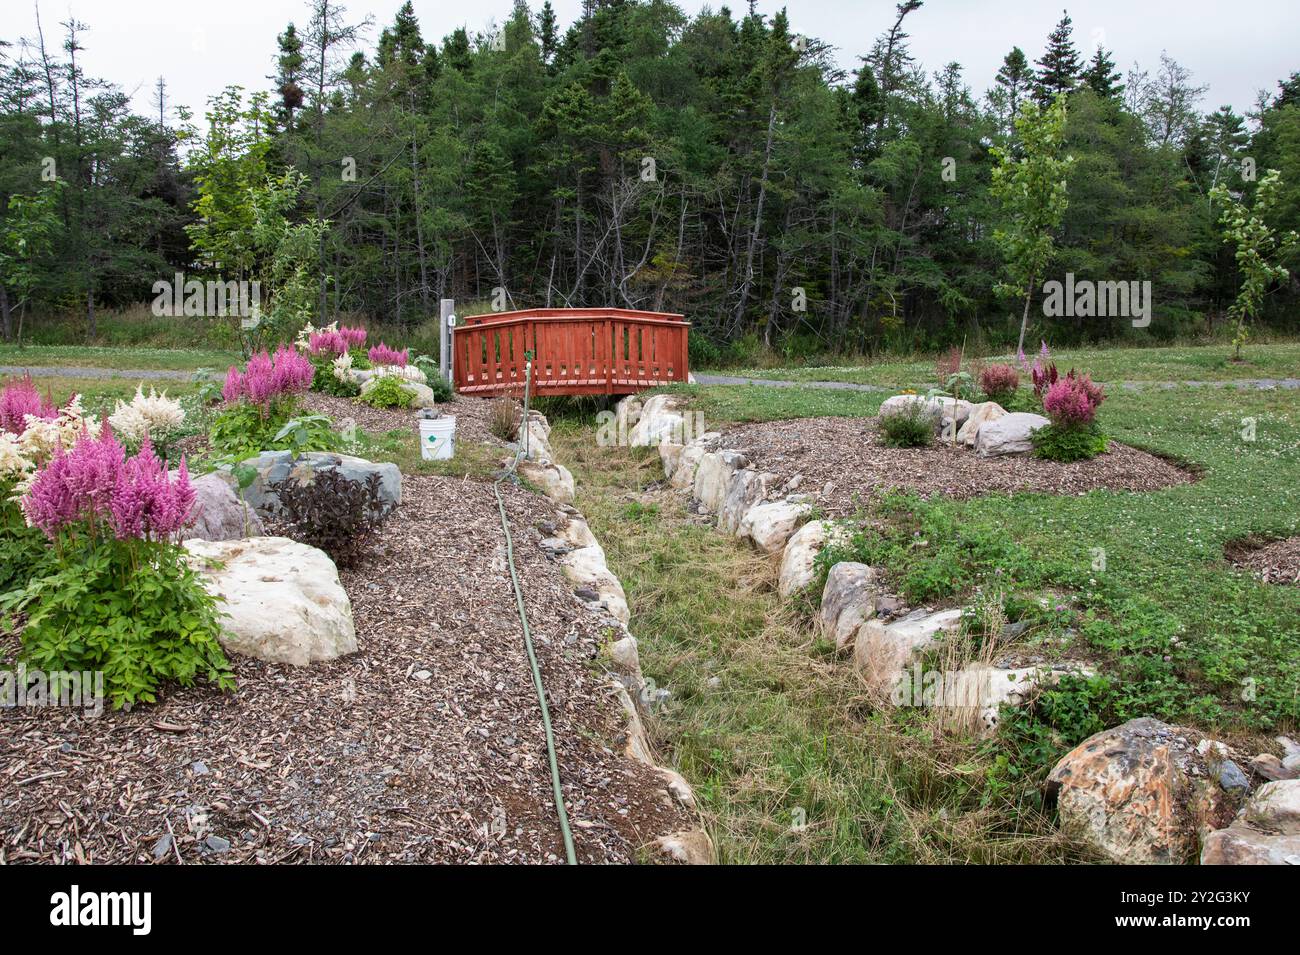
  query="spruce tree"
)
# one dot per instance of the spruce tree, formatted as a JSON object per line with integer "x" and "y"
{"x": 1059, "y": 68}
{"x": 1014, "y": 77}
{"x": 1101, "y": 76}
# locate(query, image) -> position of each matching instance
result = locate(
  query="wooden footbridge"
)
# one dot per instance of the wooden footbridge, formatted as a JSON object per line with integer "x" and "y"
{"x": 576, "y": 351}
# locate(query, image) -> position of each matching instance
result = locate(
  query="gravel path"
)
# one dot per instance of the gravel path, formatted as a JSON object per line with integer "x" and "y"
{"x": 1242, "y": 384}
{"x": 77, "y": 371}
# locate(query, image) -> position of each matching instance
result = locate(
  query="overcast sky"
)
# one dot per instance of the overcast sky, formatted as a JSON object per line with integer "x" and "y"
{"x": 1236, "y": 48}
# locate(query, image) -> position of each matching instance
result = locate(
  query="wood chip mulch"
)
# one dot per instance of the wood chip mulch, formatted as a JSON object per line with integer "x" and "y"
{"x": 1273, "y": 562}
{"x": 472, "y": 415}
{"x": 424, "y": 746}
{"x": 846, "y": 458}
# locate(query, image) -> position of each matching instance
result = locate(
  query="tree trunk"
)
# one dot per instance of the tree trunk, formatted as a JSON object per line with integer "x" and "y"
{"x": 758, "y": 219}
{"x": 6, "y": 314}
{"x": 1024, "y": 319}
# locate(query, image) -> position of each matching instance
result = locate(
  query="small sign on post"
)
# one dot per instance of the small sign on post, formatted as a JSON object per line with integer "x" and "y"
{"x": 445, "y": 326}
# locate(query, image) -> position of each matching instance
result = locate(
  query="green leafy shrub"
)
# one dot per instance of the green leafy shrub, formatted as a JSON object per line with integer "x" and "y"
{"x": 131, "y": 608}
{"x": 441, "y": 387}
{"x": 1066, "y": 443}
{"x": 387, "y": 392}
{"x": 332, "y": 512}
{"x": 22, "y": 549}
{"x": 909, "y": 427}
{"x": 328, "y": 383}
{"x": 243, "y": 430}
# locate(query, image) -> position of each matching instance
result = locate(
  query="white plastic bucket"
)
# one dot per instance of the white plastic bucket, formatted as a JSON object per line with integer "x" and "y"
{"x": 438, "y": 438}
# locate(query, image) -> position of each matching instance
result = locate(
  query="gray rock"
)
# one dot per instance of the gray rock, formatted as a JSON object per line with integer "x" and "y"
{"x": 1009, "y": 434}
{"x": 199, "y": 768}
{"x": 586, "y": 593}
{"x": 162, "y": 846}
{"x": 275, "y": 466}
{"x": 1232, "y": 778}
{"x": 217, "y": 844}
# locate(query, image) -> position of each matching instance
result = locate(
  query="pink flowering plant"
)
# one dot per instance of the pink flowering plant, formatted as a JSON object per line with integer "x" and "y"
{"x": 18, "y": 399}
{"x": 1071, "y": 404}
{"x": 116, "y": 593}
{"x": 260, "y": 401}
{"x": 381, "y": 354}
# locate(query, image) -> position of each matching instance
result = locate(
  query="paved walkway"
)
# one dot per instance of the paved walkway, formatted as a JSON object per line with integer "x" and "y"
{"x": 1242, "y": 384}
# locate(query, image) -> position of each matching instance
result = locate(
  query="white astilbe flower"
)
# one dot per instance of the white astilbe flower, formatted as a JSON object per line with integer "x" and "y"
{"x": 343, "y": 367}
{"x": 13, "y": 463}
{"x": 154, "y": 415}
{"x": 41, "y": 437}
{"x": 405, "y": 372}
{"x": 38, "y": 442}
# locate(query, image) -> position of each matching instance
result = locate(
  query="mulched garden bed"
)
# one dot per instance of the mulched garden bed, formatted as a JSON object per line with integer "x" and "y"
{"x": 472, "y": 415}
{"x": 848, "y": 453}
{"x": 406, "y": 751}
{"x": 1273, "y": 562}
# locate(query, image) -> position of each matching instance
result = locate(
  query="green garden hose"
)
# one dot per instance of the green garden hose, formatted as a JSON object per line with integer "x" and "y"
{"x": 560, "y": 811}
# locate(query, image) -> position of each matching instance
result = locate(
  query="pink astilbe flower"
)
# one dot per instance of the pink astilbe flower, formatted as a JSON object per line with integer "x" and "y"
{"x": 234, "y": 386}
{"x": 19, "y": 399}
{"x": 145, "y": 502}
{"x": 1073, "y": 401}
{"x": 355, "y": 337}
{"x": 95, "y": 483}
{"x": 381, "y": 354}
{"x": 291, "y": 372}
{"x": 999, "y": 381}
{"x": 266, "y": 378}
{"x": 327, "y": 343}
{"x": 75, "y": 485}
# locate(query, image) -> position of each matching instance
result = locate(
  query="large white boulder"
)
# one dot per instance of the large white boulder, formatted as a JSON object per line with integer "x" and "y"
{"x": 688, "y": 460}
{"x": 661, "y": 421}
{"x": 284, "y": 599}
{"x": 554, "y": 480}
{"x": 1008, "y": 434}
{"x": 770, "y": 526}
{"x": 534, "y": 439}
{"x": 899, "y": 403}
{"x": 979, "y": 415}
{"x": 746, "y": 489}
{"x": 800, "y": 555}
{"x": 586, "y": 567}
{"x": 848, "y": 601}
{"x": 713, "y": 477}
{"x": 421, "y": 394}
{"x": 883, "y": 651}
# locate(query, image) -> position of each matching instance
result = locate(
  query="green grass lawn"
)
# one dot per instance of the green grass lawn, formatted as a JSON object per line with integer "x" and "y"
{"x": 766, "y": 722}
{"x": 93, "y": 356}
{"x": 1184, "y": 363}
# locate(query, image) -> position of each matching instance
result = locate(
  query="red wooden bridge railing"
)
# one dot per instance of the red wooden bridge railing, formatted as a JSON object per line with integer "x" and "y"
{"x": 576, "y": 351}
